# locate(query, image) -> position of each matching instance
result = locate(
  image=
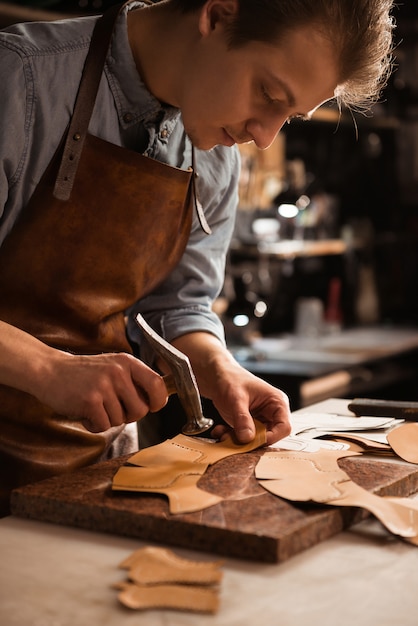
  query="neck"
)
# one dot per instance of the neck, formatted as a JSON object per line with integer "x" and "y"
{"x": 159, "y": 37}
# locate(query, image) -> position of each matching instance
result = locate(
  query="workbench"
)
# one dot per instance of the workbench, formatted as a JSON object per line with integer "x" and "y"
{"x": 370, "y": 361}
{"x": 54, "y": 575}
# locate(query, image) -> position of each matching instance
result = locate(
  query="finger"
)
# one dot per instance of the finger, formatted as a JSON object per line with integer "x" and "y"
{"x": 244, "y": 427}
{"x": 278, "y": 431}
{"x": 97, "y": 421}
{"x": 115, "y": 410}
{"x": 220, "y": 431}
{"x": 136, "y": 405}
{"x": 149, "y": 388}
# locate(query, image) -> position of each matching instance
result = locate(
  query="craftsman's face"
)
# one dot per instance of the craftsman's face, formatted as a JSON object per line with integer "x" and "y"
{"x": 246, "y": 94}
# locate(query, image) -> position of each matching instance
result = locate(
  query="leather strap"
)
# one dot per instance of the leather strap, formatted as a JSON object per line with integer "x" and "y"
{"x": 86, "y": 97}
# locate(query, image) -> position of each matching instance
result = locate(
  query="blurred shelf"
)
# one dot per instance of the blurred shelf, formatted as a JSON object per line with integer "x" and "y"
{"x": 289, "y": 249}
{"x": 11, "y": 13}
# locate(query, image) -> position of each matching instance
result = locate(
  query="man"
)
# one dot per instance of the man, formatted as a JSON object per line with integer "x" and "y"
{"x": 183, "y": 83}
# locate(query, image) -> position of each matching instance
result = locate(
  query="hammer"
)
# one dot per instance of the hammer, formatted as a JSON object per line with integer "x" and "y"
{"x": 181, "y": 380}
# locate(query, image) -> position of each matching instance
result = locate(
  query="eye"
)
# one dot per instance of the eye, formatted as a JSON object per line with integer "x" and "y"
{"x": 267, "y": 97}
{"x": 298, "y": 116}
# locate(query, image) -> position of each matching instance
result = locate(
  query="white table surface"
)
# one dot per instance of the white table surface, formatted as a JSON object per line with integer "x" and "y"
{"x": 57, "y": 576}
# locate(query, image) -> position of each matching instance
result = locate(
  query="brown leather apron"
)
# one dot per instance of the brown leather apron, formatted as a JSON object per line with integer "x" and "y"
{"x": 71, "y": 267}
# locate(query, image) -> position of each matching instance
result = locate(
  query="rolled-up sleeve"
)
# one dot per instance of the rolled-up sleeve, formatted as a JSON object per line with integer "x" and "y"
{"x": 183, "y": 302}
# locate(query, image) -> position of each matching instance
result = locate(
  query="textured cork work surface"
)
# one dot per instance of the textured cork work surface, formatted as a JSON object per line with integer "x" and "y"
{"x": 249, "y": 523}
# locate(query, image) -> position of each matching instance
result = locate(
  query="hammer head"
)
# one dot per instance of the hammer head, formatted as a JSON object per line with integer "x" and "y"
{"x": 183, "y": 377}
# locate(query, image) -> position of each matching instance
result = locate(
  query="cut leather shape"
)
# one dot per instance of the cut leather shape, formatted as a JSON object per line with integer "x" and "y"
{"x": 154, "y": 565}
{"x": 412, "y": 504}
{"x": 159, "y": 579}
{"x": 178, "y": 597}
{"x": 173, "y": 468}
{"x": 360, "y": 444}
{"x": 404, "y": 441}
{"x": 181, "y": 490}
{"x": 317, "y": 477}
{"x": 196, "y": 450}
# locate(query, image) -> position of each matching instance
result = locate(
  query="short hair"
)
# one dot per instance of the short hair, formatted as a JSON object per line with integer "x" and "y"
{"x": 360, "y": 30}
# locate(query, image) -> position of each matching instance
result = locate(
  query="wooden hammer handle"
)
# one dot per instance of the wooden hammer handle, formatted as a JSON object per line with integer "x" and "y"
{"x": 170, "y": 384}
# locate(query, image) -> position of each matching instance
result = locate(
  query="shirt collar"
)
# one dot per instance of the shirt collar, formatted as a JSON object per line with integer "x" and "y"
{"x": 133, "y": 101}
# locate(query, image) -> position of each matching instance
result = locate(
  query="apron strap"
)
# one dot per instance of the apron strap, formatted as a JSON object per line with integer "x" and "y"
{"x": 86, "y": 97}
{"x": 83, "y": 109}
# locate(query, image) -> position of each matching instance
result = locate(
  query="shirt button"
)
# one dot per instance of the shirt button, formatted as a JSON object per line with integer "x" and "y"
{"x": 164, "y": 133}
{"x": 127, "y": 117}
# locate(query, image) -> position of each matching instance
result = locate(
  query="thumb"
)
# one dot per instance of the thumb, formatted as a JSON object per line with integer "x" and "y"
{"x": 244, "y": 426}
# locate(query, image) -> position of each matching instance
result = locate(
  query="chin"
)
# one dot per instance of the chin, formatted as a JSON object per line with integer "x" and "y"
{"x": 203, "y": 143}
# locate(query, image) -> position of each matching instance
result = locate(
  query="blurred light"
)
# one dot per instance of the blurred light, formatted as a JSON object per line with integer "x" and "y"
{"x": 266, "y": 227}
{"x": 260, "y": 308}
{"x": 288, "y": 210}
{"x": 303, "y": 202}
{"x": 241, "y": 320}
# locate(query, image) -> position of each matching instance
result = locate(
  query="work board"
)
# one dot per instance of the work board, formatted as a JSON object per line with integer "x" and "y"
{"x": 249, "y": 523}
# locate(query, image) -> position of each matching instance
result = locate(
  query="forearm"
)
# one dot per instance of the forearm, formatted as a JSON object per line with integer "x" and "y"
{"x": 23, "y": 359}
{"x": 208, "y": 357}
{"x": 101, "y": 390}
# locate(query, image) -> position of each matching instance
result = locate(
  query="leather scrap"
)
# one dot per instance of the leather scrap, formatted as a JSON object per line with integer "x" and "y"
{"x": 361, "y": 444}
{"x": 317, "y": 477}
{"x": 173, "y": 468}
{"x": 159, "y": 579}
{"x": 404, "y": 441}
{"x": 160, "y": 565}
{"x": 179, "y": 597}
{"x": 196, "y": 450}
{"x": 184, "y": 496}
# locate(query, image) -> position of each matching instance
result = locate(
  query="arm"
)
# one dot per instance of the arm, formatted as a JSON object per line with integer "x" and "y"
{"x": 181, "y": 311}
{"x": 238, "y": 395}
{"x": 102, "y": 390}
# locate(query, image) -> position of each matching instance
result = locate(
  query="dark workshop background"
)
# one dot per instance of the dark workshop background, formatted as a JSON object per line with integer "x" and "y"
{"x": 354, "y": 178}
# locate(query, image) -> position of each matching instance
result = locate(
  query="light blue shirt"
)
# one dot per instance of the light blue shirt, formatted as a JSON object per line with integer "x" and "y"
{"x": 40, "y": 69}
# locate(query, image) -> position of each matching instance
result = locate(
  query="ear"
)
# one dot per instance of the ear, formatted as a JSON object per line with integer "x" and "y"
{"x": 216, "y": 13}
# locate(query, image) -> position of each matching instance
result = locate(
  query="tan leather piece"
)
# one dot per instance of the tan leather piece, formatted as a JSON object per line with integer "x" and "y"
{"x": 152, "y": 565}
{"x": 173, "y": 468}
{"x": 404, "y": 441}
{"x": 159, "y": 579}
{"x": 317, "y": 477}
{"x": 361, "y": 444}
{"x": 181, "y": 490}
{"x": 412, "y": 503}
{"x": 178, "y": 597}
{"x": 196, "y": 450}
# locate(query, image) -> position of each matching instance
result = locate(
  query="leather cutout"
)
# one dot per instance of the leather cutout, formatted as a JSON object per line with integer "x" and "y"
{"x": 404, "y": 441}
{"x": 196, "y": 450}
{"x": 159, "y": 579}
{"x": 179, "y": 597}
{"x": 360, "y": 444}
{"x": 173, "y": 468}
{"x": 181, "y": 490}
{"x": 317, "y": 477}
{"x": 152, "y": 565}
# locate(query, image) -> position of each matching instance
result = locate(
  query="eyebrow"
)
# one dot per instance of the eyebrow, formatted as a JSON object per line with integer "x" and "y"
{"x": 291, "y": 101}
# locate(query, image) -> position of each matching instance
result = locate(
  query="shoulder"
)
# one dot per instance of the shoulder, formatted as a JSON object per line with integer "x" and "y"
{"x": 31, "y": 39}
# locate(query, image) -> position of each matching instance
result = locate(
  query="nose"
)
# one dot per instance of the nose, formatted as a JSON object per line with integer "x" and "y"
{"x": 263, "y": 132}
